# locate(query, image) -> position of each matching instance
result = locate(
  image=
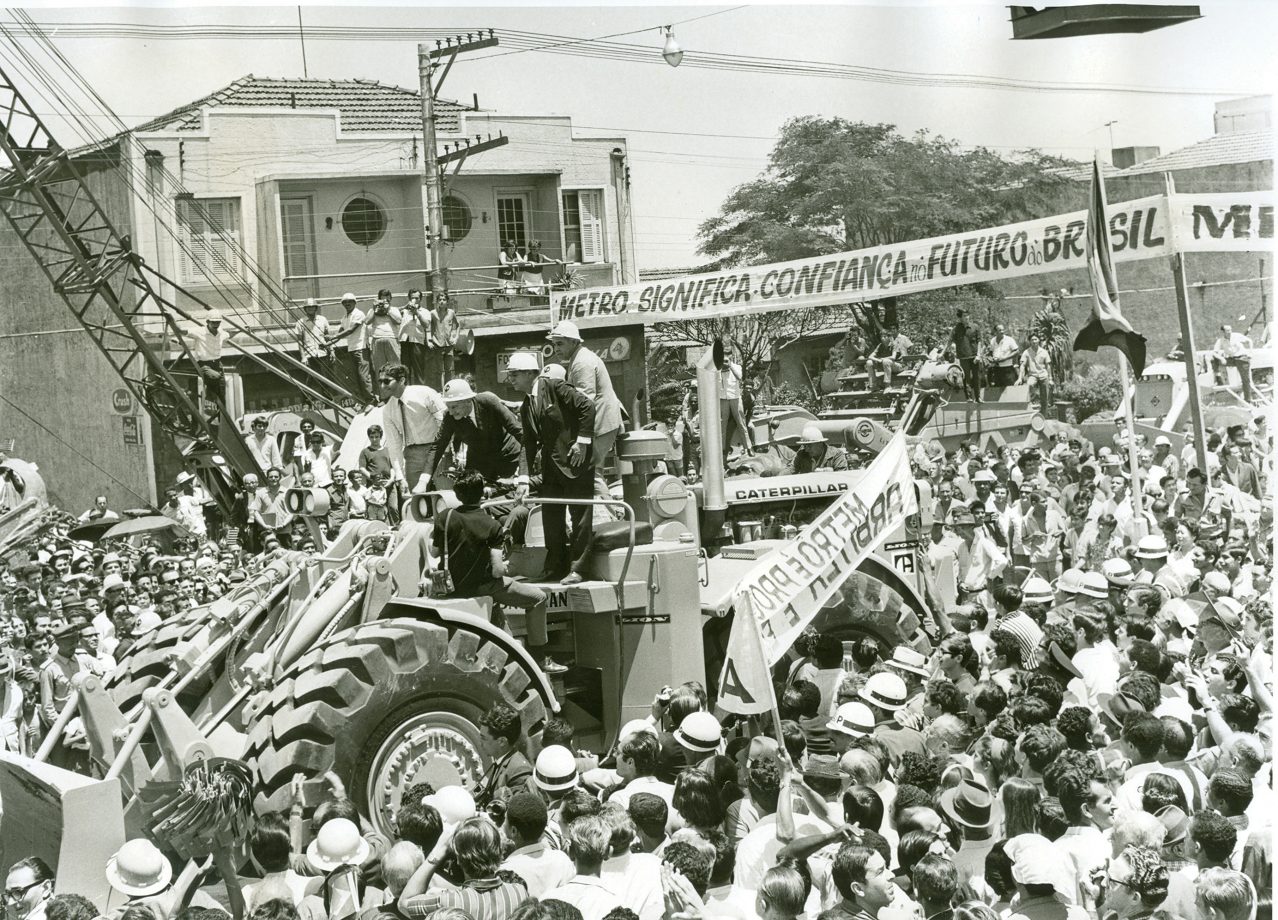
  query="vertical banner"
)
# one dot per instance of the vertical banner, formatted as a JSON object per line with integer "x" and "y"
{"x": 781, "y": 595}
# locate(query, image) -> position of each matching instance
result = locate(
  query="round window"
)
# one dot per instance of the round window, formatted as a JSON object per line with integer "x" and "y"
{"x": 456, "y": 218}
{"x": 364, "y": 221}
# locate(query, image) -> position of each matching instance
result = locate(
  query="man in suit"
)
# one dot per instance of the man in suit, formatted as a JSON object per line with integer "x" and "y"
{"x": 586, "y": 371}
{"x": 559, "y": 425}
{"x": 481, "y": 421}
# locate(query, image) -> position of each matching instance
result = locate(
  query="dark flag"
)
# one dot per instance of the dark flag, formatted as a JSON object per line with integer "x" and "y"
{"x": 1107, "y": 325}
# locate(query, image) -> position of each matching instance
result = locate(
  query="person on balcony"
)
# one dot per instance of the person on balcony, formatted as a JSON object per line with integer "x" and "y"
{"x": 510, "y": 264}
{"x": 532, "y": 274}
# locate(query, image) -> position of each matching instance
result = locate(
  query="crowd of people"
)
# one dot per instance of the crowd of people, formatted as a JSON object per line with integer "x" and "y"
{"x": 1086, "y": 733}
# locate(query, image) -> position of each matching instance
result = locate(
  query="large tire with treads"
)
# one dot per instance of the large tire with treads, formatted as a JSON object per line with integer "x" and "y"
{"x": 357, "y": 693}
{"x": 150, "y": 659}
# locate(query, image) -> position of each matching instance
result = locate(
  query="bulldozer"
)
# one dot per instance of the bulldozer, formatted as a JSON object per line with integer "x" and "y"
{"x": 335, "y": 662}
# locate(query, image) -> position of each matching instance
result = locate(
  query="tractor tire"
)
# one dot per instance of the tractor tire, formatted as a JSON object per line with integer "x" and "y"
{"x": 382, "y": 702}
{"x": 150, "y": 659}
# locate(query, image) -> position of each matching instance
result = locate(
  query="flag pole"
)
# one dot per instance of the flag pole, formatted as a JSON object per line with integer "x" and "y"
{"x": 1189, "y": 352}
{"x": 1133, "y": 464}
{"x": 756, "y": 635}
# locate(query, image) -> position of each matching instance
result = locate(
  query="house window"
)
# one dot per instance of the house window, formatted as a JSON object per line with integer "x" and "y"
{"x": 512, "y": 220}
{"x": 583, "y": 226}
{"x": 364, "y": 221}
{"x": 456, "y": 219}
{"x": 210, "y": 234}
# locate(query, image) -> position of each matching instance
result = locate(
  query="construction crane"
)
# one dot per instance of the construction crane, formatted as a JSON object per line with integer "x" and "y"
{"x": 115, "y": 295}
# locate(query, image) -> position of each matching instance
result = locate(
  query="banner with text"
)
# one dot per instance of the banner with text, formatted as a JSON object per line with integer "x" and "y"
{"x": 781, "y": 595}
{"x": 1141, "y": 229}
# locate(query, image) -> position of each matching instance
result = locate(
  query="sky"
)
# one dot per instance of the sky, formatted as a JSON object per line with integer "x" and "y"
{"x": 696, "y": 134}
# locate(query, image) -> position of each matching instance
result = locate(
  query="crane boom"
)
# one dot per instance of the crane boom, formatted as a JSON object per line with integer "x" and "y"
{"x": 93, "y": 268}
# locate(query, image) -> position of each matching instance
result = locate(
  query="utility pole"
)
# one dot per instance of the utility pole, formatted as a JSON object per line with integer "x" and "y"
{"x": 433, "y": 173}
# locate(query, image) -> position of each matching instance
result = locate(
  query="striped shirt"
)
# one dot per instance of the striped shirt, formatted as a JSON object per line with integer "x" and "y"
{"x": 492, "y": 898}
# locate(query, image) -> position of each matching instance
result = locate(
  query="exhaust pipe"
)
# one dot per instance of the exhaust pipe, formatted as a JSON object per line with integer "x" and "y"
{"x": 714, "y": 501}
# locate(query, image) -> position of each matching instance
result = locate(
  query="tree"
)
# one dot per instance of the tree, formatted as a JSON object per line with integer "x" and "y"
{"x": 833, "y": 185}
{"x": 757, "y": 337}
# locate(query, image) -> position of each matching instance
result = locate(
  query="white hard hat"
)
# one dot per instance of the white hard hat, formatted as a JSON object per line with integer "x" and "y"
{"x": 855, "y": 719}
{"x": 885, "y": 690}
{"x": 699, "y": 732}
{"x": 338, "y": 843}
{"x": 457, "y": 391}
{"x": 311, "y": 302}
{"x": 453, "y": 803}
{"x": 554, "y": 372}
{"x": 523, "y": 361}
{"x": 811, "y": 435}
{"x": 556, "y": 769}
{"x": 565, "y": 329}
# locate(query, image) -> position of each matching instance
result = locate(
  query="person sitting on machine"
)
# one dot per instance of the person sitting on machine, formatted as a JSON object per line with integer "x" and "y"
{"x": 815, "y": 453}
{"x": 468, "y": 541}
{"x": 887, "y": 357}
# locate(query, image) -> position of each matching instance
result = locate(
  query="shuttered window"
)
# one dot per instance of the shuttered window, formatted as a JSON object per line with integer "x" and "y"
{"x": 211, "y": 240}
{"x": 583, "y": 226}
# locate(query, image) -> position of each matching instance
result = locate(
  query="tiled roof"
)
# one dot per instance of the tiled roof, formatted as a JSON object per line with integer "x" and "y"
{"x": 1220, "y": 150}
{"x": 365, "y": 105}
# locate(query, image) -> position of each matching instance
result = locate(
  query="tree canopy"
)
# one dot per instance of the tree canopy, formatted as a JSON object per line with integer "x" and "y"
{"x": 833, "y": 185}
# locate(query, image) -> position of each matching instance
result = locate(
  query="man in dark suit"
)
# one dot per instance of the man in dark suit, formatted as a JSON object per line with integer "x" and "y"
{"x": 481, "y": 421}
{"x": 559, "y": 424}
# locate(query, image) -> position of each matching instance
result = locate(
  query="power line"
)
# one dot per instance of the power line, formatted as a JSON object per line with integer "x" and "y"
{"x": 599, "y": 48}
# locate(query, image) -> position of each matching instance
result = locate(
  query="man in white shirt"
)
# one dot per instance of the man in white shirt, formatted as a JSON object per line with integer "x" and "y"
{"x": 411, "y": 418}
{"x": 589, "y": 843}
{"x": 634, "y": 877}
{"x": 311, "y": 333}
{"x": 1003, "y": 351}
{"x": 263, "y": 446}
{"x": 541, "y": 866}
{"x": 1036, "y": 370}
{"x": 358, "y": 371}
{"x": 980, "y": 559}
{"x": 206, "y": 344}
{"x": 1232, "y": 349}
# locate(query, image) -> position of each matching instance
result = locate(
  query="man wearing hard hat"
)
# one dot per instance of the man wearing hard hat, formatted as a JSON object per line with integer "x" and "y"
{"x": 480, "y": 422}
{"x": 585, "y": 370}
{"x": 815, "y": 453}
{"x": 559, "y": 423}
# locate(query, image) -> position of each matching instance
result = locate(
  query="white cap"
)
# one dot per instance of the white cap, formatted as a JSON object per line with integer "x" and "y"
{"x": 112, "y": 581}
{"x": 855, "y": 719}
{"x": 213, "y": 316}
{"x": 457, "y": 391}
{"x": 348, "y": 296}
{"x": 453, "y": 803}
{"x": 523, "y": 361}
{"x": 565, "y": 329}
{"x": 1162, "y": 441}
{"x": 311, "y": 302}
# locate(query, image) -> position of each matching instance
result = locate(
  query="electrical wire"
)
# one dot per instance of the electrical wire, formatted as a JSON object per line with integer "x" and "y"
{"x": 599, "y": 48}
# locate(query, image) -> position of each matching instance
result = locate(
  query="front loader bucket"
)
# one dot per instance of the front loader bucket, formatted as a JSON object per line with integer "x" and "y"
{"x": 71, "y": 821}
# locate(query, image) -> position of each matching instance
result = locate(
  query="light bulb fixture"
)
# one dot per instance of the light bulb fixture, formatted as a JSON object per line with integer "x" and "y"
{"x": 671, "y": 52}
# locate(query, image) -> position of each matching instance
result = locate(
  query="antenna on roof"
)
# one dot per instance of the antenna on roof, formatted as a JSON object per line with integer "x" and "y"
{"x": 301, "y": 34}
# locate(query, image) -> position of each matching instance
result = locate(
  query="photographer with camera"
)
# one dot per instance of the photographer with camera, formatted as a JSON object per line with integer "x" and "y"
{"x": 383, "y": 336}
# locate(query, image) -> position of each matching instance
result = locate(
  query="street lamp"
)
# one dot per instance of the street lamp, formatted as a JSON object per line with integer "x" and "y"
{"x": 671, "y": 52}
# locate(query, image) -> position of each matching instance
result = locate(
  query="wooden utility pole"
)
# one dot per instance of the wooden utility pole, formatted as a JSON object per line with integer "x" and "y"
{"x": 432, "y": 162}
